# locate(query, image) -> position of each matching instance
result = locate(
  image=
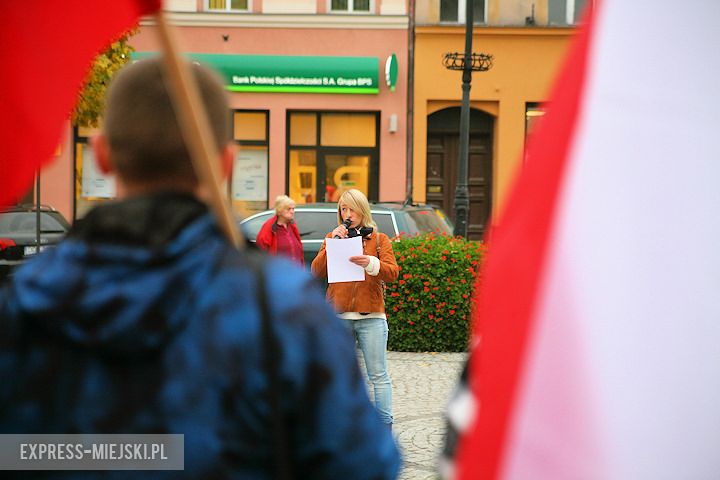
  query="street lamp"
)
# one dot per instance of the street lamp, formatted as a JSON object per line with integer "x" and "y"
{"x": 468, "y": 63}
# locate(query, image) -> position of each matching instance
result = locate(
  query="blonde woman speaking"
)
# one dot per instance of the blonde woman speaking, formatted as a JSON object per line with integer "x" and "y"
{"x": 361, "y": 304}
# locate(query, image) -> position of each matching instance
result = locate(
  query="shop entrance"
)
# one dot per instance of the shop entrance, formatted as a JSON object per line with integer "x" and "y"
{"x": 442, "y": 156}
{"x": 330, "y": 153}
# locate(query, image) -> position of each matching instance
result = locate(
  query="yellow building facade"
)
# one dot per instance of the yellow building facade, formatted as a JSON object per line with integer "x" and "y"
{"x": 527, "y": 41}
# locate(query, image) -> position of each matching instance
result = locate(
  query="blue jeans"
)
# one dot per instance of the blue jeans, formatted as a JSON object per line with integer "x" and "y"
{"x": 372, "y": 335}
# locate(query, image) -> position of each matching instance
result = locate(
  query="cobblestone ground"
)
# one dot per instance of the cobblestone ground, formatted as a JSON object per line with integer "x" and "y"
{"x": 422, "y": 383}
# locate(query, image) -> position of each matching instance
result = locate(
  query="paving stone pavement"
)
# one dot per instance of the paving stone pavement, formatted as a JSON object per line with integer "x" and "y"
{"x": 422, "y": 383}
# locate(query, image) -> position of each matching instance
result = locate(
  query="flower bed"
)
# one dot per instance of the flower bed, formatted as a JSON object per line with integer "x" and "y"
{"x": 429, "y": 306}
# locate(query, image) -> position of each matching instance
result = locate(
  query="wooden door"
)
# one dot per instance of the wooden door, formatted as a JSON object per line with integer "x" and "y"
{"x": 442, "y": 157}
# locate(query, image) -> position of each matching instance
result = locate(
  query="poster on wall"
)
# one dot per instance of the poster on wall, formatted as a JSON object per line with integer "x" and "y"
{"x": 94, "y": 183}
{"x": 250, "y": 176}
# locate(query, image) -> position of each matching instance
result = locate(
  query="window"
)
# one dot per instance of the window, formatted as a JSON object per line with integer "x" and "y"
{"x": 227, "y": 5}
{"x": 91, "y": 185}
{"x": 384, "y": 222}
{"x": 453, "y": 11}
{"x": 350, "y": 6}
{"x": 338, "y": 129}
{"x": 13, "y": 223}
{"x": 427, "y": 221}
{"x": 576, "y": 9}
{"x": 567, "y": 12}
{"x": 313, "y": 225}
{"x": 330, "y": 152}
{"x": 248, "y": 185}
{"x": 533, "y": 112}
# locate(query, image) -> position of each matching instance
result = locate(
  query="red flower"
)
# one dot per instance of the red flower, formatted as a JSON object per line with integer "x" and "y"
{"x": 452, "y": 312}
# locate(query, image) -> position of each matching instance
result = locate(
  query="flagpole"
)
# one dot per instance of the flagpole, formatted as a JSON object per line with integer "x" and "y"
{"x": 192, "y": 118}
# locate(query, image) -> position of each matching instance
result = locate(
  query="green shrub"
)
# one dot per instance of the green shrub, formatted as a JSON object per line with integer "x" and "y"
{"x": 428, "y": 307}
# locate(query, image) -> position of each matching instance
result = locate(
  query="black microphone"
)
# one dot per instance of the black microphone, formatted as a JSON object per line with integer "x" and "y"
{"x": 346, "y": 223}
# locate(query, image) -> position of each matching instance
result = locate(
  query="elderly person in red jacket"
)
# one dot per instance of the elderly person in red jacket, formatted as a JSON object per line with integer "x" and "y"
{"x": 279, "y": 235}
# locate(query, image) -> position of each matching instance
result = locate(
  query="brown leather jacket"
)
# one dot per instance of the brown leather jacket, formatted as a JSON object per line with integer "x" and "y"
{"x": 365, "y": 296}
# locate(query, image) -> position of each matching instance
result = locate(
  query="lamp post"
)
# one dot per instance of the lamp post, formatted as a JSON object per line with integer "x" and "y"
{"x": 468, "y": 62}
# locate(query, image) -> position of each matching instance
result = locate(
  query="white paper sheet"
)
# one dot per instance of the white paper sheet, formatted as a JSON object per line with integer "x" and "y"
{"x": 339, "y": 268}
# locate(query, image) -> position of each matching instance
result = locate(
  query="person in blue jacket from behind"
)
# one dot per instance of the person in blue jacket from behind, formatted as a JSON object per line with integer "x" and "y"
{"x": 145, "y": 319}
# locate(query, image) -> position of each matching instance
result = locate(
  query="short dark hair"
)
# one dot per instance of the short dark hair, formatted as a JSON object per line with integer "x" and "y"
{"x": 140, "y": 124}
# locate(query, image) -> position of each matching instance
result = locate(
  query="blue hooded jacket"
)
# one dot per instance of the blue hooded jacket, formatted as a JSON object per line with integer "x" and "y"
{"x": 145, "y": 320}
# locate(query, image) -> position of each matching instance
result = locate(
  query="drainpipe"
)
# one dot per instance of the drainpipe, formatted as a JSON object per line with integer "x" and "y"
{"x": 410, "y": 103}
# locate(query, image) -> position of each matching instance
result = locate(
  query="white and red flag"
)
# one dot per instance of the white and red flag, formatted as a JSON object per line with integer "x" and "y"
{"x": 47, "y": 50}
{"x": 599, "y": 309}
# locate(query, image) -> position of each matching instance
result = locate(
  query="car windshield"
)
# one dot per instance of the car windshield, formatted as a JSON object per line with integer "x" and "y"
{"x": 25, "y": 222}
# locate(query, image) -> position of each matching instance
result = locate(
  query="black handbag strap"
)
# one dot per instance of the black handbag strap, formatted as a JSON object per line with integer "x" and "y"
{"x": 271, "y": 353}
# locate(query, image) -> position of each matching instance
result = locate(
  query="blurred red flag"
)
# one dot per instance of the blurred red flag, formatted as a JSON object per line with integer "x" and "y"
{"x": 597, "y": 321}
{"x": 47, "y": 49}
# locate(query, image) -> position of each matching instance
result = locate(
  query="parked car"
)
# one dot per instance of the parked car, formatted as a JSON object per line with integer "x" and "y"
{"x": 18, "y": 234}
{"x": 315, "y": 220}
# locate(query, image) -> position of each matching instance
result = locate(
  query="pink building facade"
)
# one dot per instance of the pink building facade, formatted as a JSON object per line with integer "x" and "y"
{"x": 318, "y": 102}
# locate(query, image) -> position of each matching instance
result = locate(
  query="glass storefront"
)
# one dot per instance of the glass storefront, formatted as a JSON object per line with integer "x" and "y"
{"x": 327, "y": 153}
{"x": 247, "y": 186}
{"x": 248, "y": 183}
{"x": 91, "y": 185}
{"x": 330, "y": 152}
